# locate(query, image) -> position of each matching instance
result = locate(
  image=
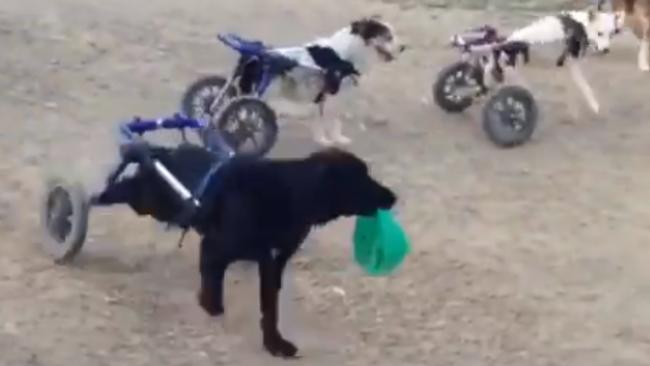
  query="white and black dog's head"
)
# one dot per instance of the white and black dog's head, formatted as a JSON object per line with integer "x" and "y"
{"x": 599, "y": 26}
{"x": 344, "y": 54}
{"x": 379, "y": 35}
{"x": 581, "y": 28}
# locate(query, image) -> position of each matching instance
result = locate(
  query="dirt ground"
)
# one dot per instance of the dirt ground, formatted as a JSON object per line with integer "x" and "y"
{"x": 531, "y": 256}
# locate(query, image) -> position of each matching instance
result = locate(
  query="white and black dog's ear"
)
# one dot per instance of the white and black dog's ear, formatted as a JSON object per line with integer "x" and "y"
{"x": 378, "y": 34}
{"x": 591, "y": 15}
{"x": 370, "y": 28}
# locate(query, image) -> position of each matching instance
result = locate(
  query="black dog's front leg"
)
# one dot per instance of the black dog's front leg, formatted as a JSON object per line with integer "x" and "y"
{"x": 213, "y": 269}
{"x": 269, "y": 292}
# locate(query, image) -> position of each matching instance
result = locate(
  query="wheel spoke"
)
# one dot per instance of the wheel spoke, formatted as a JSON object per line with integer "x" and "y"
{"x": 255, "y": 143}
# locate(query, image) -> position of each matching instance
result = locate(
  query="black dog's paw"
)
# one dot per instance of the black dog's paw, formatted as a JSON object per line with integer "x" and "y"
{"x": 279, "y": 347}
{"x": 209, "y": 304}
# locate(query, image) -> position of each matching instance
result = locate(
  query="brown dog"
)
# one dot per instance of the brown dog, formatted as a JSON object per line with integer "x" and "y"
{"x": 635, "y": 14}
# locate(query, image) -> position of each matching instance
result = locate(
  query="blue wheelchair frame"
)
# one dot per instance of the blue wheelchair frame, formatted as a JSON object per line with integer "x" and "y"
{"x": 272, "y": 64}
{"x": 132, "y": 131}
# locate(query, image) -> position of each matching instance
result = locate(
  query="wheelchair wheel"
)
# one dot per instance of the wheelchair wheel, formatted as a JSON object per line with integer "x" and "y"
{"x": 64, "y": 219}
{"x": 248, "y": 125}
{"x": 198, "y": 97}
{"x": 456, "y": 87}
{"x": 510, "y": 116}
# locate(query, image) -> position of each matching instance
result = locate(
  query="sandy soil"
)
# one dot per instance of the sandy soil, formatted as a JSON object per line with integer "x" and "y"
{"x": 531, "y": 256}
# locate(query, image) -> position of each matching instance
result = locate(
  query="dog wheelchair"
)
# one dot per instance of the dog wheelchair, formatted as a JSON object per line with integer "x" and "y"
{"x": 510, "y": 114}
{"x": 240, "y": 115}
{"x": 65, "y": 206}
{"x": 235, "y": 105}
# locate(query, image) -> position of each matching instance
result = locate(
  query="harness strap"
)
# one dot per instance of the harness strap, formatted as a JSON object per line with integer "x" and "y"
{"x": 333, "y": 78}
{"x": 199, "y": 191}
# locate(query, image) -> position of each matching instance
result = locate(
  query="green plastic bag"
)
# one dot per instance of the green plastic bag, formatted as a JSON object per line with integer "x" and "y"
{"x": 380, "y": 244}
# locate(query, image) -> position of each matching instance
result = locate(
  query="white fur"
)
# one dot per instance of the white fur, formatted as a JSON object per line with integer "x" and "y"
{"x": 549, "y": 29}
{"x": 348, "y": 46}
{"x": 545, "y": 30}
{"x": 582, "y": 84}
{"x": 600, "y": 29}
{"x": 644, "y": 64}
{"x": 620, "y": 17}
{"x": 599, "y": 26}
{"x": 304, "y": 83}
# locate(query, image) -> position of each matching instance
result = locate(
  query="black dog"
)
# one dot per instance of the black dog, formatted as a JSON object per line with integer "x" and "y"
{"x": 258, "y": 210}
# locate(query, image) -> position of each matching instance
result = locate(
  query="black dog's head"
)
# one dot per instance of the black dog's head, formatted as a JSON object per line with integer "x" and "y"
{"x": 346, "y": 187}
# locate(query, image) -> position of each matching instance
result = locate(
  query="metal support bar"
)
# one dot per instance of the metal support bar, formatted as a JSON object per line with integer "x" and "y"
{"x": 174, "y": 183}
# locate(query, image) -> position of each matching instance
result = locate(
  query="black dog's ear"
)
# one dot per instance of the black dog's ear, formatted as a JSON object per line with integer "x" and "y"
{"x": 326, "y": 158}
{"x": 330, "y": 154}
{"x": 333, "y": 162}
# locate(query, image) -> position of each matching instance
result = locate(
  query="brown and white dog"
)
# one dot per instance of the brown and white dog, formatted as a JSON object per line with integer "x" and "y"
{"x": 635, "y": 14}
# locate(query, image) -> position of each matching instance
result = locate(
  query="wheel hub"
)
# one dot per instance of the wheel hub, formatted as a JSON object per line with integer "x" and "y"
{"x": 459, "y": 85}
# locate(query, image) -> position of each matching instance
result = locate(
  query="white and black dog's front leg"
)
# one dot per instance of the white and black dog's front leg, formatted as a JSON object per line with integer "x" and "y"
{"x": 327, "y": 130}
{"x": 582, "y": 84}
{"x": 337, "y": 131}
{"x": 318, "y": 127}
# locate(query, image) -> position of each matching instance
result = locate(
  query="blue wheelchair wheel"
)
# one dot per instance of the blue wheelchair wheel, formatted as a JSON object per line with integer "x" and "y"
{"x": 199, "y": 96}
{"x": 248, "y": 125}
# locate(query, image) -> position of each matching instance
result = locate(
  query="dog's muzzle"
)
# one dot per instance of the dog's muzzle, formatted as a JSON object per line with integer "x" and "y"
{"x": 601, "y": 52}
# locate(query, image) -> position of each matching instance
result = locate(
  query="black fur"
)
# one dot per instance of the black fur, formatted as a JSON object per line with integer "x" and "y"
{"x": 336, "y": 69}
{"x": 370, "y": 28}
{"x": 251, "y": 70}
{"x": 576, "y": 41}
{"x": 514, "y": 51}
{"x": 259, "y": 210}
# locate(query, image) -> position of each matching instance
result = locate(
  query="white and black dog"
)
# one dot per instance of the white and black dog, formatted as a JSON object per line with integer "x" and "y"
{"x": 577, "y": 30}
{"x": 338, "y": 60}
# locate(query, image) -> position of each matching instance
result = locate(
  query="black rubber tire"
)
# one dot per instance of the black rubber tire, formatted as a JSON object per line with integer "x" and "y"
{"x": 500, "y": 131}
{"x": 269, "y": 125}
{"x": 439, "y": 93}
{"x": 64, "y": 249}
{"x": 192, "y": 91}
